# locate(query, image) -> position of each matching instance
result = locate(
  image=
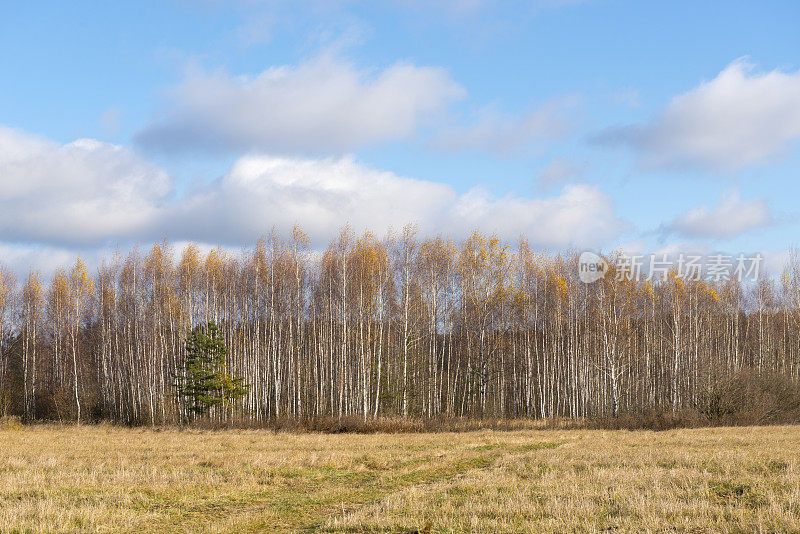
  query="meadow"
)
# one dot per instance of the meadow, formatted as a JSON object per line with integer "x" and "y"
{"x": 106, "y": 478}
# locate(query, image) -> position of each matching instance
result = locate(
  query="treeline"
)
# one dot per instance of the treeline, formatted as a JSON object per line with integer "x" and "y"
{"x": 399, "y": 327}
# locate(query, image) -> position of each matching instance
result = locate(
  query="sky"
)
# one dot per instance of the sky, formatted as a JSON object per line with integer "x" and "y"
{"x": 583, "y": 125}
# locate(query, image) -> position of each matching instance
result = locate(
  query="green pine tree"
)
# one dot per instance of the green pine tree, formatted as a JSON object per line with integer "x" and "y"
{"x": 206, "y": 381}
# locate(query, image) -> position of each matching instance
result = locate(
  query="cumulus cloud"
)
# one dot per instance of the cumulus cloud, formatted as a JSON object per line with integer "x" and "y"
{"x": 740, "y": 118}
{"x": 260, "y": 192}
{"x": 80, "y": 193}
{"x": 731, "y": 217}
{"x": 322, "y": 105}
{"x": 580, "y": 216}
{"x": 321, "y": 195}
{"x": 87, "y": 197}
{"x": 500, "y": 133}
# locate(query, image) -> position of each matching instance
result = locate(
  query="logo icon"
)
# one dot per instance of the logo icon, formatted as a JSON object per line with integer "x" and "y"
{"x": 591, "y": 267}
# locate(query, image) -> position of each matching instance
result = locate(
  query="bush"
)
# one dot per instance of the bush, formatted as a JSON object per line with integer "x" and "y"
{"x": 753, "y": 398}
{"x": 747, "y": 398}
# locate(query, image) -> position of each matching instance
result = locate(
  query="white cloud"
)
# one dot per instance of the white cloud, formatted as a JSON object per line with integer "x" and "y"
{"x": 322, "y": 195}
{"x": 322, "y": 105}
{"x": 87, "y": 197}
{"x": 731, "y": 217}
{"x": 260, "y": 192}
{"x": 580, "y": 216}
{"x": 739, "y": 118}
{"x": 80, "y": 193}
{"x": 500, "y": 133}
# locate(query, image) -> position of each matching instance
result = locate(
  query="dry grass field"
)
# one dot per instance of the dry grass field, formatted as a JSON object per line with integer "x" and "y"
{"x": 103, "y": 478}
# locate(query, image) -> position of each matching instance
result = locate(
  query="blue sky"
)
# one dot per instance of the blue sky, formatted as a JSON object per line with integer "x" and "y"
{"x": 589, "y": 124}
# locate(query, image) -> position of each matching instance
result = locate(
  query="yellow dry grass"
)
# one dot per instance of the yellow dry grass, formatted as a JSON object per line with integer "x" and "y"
{"x": 104, "y": 478}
